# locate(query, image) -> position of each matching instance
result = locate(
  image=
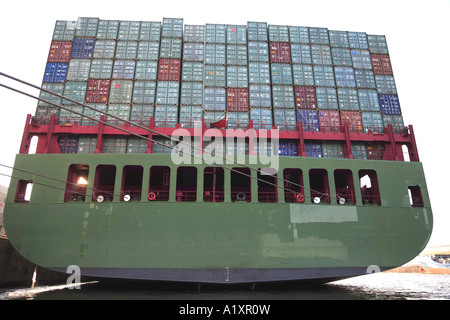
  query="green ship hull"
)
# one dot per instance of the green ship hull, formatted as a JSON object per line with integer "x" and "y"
{"x": 217, "y": 242}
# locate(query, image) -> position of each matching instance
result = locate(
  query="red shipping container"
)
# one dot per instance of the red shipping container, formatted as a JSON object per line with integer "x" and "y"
{"x": 354, "y": 120}
{"x": 381, "y": 64}
{"x": 280, "y": 52}
{"x": 237, "y": 99}
{"x": 60, "y": 51}
{"x": 97, "y": 91}
{"x": 305, "y": 97}
{"x": 169, "y": 70}
{"x": 330, "y": 121}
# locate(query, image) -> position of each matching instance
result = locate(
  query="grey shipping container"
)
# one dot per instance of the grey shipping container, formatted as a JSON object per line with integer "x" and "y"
{"x": 283, "y": 96}
{"x": 146, "y": 70}
{"x": 262, "y": 118}
{"x": 104, "y": 49}
{"x": 341, "y": 57}
{"x": 215, "y": 54}
{"x": 194, "y": 33}
{"x": 216, "y": 33}
{"x": 303, "y": 74}
{"x": 148, "y": 50}
{"x": 172, "y": 27}
{"x": 87, "y": 144}
{"x": 114, "y": 144}
{"x": 129, "y": 30}
{"x": 213, "y": 116}
{"x": 190, "y": 116}
{"x": 281, "y": 73}
{"x": 259, "y": 73}
{"x": 361, "y": 59}
{"x": 193, "y": 51}
{"x": 121, "y": 111}
{"x": 377, "y": 44}
{"x": 385, "y": 84}
{"x": 107, "y": 29}
{"x": 137, "y": 145}
{"x": 237, "y": 120}
{"x": 358, "y": 40}
{"x": 86, "y": 27}
{"x": 260, "y": 96}
{"x": 236, "y": 34}
{"x": 215, "y": 76}
{"x": 121, "y": 91}
{"x": 140, "y": 114}
{"x": 78, "y": 70}
{"x": 57, "y": 88}
{"x": 368, "y": 100}
{"x": 319, "y": 36}
{"x": 326, "y": 98}
{"x": 333, "y": 149}
{"x": 101, "y": 69}
{"x": 301, "y": 53}
{"x": 93, "y": 114}
{"x": 396, "y": 121}
{"x": 192, "y": 93}
{"x": 372, "y": 121}
{"x": 324, "y": 76}
{"x": 257, "y": 31}
{"x": 364, "y": 79}
{"x": 344, "y": 77}
{"x": 167, "y": 93}
{"x": 74, "y": 90}
{"x": 166, "y": 116}
{"x": 299, "y": 34}
{"x": 215, "y": 99}
{"x": 126, "y": 50}
{"x": 170, "y": 48}
{"x": 67, "y": 117}
{"x": 237, "y": 77}
{"x": 144, "y": 92}
{"x": 338, "y": 38}
{"x": 64, "y": 30}
{"x": 359, "y": 150}
{"x": 124, "y": 69}
{"x": 321, "y": 55}
{"x": 278, "y": 33}
{"x": 285, "y": 119}
{"x": 348, "y": 99}
{"x": 258, "y": 52}
{"x": 150, "y": 31}
{"x": 192, "y": 71}
{"x": 236, "y": 54}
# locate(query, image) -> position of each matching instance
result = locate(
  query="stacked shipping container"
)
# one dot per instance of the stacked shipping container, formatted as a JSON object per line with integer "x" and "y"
{"x": 272, "y": 75}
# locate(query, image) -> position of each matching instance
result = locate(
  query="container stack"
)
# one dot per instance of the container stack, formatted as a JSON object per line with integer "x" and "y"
{"x": 237, "y": 77}
{"x": 272, "y": 75}
{"x": 215, "y": 79}
{"x": 191, "y": 108}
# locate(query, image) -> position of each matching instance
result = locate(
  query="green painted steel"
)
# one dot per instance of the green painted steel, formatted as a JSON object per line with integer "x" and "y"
{"x": 227, "y": 235}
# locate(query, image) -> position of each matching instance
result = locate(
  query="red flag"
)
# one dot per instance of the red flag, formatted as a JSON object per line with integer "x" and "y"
{"x": 219, "y": 124}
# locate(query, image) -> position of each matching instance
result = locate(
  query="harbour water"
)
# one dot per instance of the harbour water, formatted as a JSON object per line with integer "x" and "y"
{"x": 379, "y": 286}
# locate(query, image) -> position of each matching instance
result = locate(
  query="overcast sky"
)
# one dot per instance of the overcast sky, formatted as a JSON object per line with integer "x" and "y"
{"x": 417, "y": 34}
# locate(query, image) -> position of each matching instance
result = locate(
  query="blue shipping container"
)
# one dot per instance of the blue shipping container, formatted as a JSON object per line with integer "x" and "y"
{"x": 260, "y": 96}
{"x": 389, "y": 104}
{"x": 215, "y": 99}
{"x": 55, "y": 72}
{"x": 82, "y": 48}
{"x": 313, "y": 149}
{"x": 288, "y": 148}
{"x": 345, "y": 77}
{"x": 309, "y": 119}
{"x": 262, "y": 118}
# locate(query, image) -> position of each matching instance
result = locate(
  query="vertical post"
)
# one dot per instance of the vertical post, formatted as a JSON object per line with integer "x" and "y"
{"x": 301, "y": 140}
{"x": 98, "y": 148}
{"x": 49, "y": 133}
{"x": 150, "y": 136}
{"x": 348, "y": 142}
{"x": 393, "y": 145}
{"x": 25, "y": 144}
{"x": 414, "y": 155}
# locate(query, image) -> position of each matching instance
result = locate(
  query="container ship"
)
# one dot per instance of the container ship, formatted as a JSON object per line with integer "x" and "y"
{"x": 127, "y": 180}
